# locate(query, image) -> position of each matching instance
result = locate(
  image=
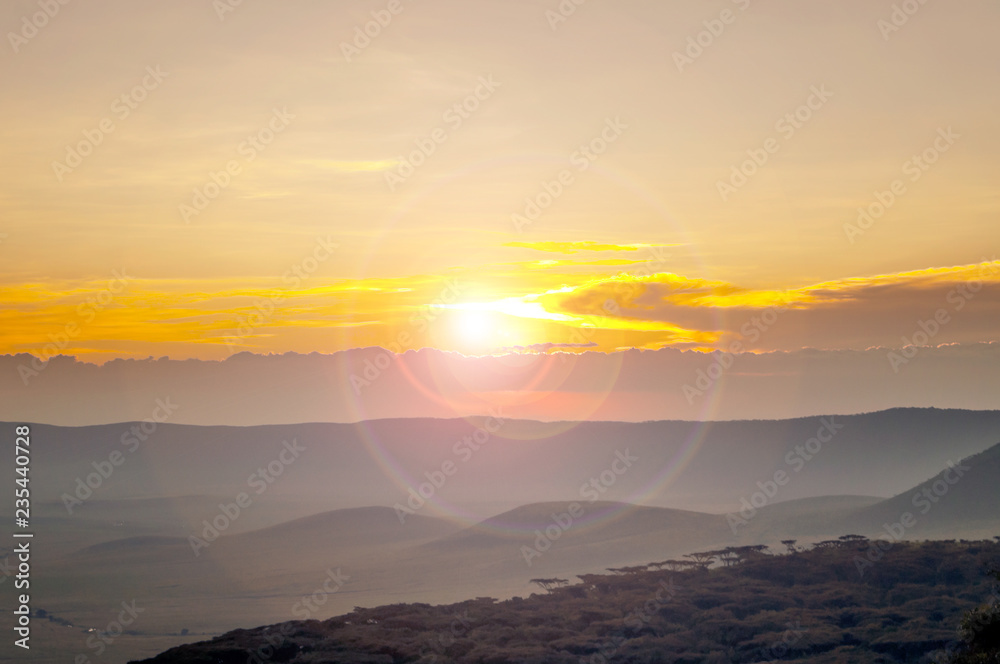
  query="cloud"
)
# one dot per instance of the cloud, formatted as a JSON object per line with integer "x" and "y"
{"x": 632, "y": 385}
{"x": 845, "y": 313}
{"x": 194, "y": 317}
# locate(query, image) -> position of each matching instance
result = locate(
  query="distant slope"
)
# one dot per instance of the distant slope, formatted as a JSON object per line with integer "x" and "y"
{"x": 600, "y": 521}
{"x": 961, "y": 501}
{"x": 357, "y": 528}
{"x": 174, "y": 515}
{"x": 688, "y": 465}
{"x": 149, "y": 549}
{"x": 545, "y": 539}
{"x": 806, "y": 519}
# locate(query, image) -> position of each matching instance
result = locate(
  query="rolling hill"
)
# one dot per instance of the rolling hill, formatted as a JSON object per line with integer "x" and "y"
{"x": 683, "y": 465}
{"x": 277, "y": 552}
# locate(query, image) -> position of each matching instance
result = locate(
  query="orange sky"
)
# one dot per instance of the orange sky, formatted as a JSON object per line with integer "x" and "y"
{"x": 479, "y": 178}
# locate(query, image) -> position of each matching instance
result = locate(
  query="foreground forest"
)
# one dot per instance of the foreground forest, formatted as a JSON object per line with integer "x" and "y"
{"x": 846, "y": 600}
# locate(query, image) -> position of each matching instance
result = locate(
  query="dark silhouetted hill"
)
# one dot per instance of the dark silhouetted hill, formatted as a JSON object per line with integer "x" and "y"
{"x": 809, "y": 606}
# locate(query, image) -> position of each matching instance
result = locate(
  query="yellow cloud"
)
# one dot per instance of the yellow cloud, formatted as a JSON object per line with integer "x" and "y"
{"x": 679, "y": 290}
{"x": 987, "y": 270}
{"x": 533, "y": 307}
{"x": 525, "y": 307}
{"x": 537, "y": 306}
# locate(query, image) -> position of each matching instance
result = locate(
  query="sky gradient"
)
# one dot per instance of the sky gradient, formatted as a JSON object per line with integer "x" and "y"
{"x": 487, "y": 178}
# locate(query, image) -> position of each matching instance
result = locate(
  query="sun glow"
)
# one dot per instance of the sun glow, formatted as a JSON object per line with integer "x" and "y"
{"x": 475, "y": 328}
{"x": 488, "y": 327}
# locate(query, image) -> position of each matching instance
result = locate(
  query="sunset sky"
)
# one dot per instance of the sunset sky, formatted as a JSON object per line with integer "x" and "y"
{"x": 236, "y": 179}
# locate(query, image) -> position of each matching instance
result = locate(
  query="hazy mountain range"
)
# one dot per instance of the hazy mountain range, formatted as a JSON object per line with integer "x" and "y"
{"x": 495, "y": 463}
{"x": 163, "y": 527}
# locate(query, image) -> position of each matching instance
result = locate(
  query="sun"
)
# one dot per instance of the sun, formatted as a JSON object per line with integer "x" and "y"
{"x": 476, "y": 328}
{"x": 488, "y": 327}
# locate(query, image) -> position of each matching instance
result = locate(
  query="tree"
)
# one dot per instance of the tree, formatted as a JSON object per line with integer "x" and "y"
{"x": 703, "y": 558}
{"x": 980, "y": 633}
{"x": 790, "y": 545}
{"x": 549, "y": 584}
{"x": 634, "y": 569}
{"x": 676, "y": 565}
{"x": 729, "y": 556}
{"x": 848, "y": 540}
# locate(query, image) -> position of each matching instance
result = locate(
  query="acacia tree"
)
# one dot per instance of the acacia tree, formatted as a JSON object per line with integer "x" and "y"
{"x": 676, "y": 565}
{"x": 703, "y": 558}
{"x": 634, "y": 569}
{"x": 752, "y": 551}
{"x": 728, "y": 556}
{"x": 848, "y": 540}
{"x": 549, "y": 584}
